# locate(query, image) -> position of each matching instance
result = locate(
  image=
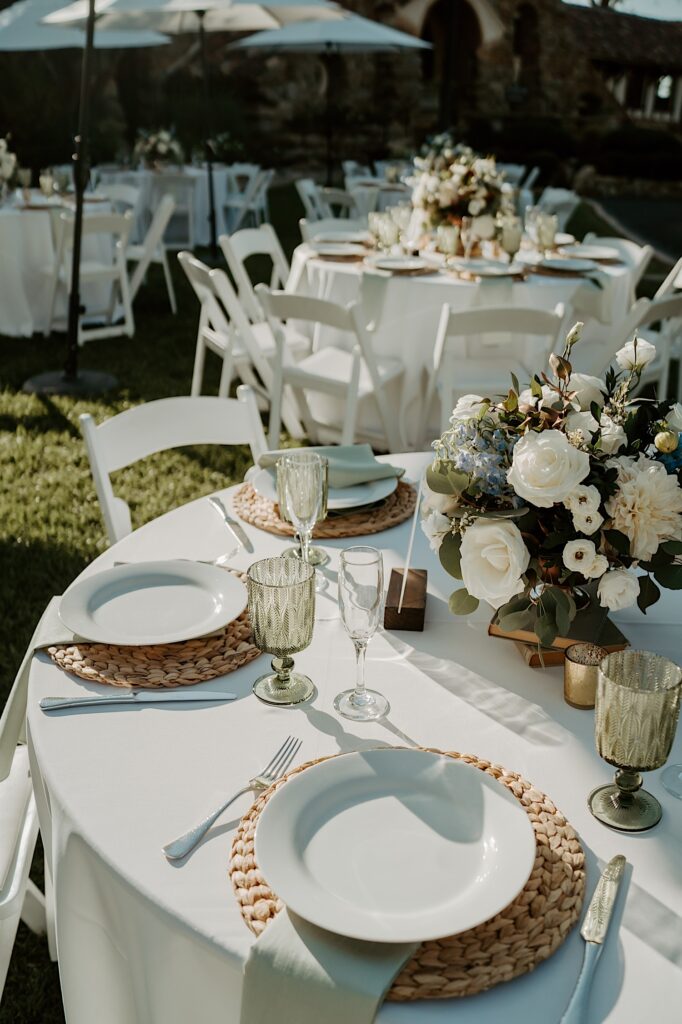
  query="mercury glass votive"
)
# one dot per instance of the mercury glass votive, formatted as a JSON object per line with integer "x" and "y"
{"x": 636, "y": 712}
{"x": 581, "y": 671}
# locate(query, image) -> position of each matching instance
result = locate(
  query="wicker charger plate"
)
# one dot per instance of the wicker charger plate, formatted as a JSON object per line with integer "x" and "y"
{"x": 261, "y": 512}
{"x": 163, "y": 666}
{"x": 512, "y": 943}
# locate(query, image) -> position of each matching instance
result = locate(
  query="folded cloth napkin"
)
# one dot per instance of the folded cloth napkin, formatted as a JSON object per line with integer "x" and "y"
{"x": 349, "y": 464}
{"x": 297, "y": 973}
{"x": 50, "y": 630}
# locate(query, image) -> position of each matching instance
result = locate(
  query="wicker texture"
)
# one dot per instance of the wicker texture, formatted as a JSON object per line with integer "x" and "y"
{"x": 512, "y": 943}
{"x": 261, "y": 512}
{"x": 162, "y": 666}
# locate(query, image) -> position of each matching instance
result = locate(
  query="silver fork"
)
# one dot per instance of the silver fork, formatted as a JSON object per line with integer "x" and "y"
{"x": 275, "y": 769}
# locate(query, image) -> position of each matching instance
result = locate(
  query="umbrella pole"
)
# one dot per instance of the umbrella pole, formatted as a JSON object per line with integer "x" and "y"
{"x": 209, "y": 153}
{"x": 71, "y": 381}
{"x": 329, "y": 115}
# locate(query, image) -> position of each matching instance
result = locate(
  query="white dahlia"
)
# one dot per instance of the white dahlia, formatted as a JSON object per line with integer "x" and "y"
{"x": 647, "y": 507}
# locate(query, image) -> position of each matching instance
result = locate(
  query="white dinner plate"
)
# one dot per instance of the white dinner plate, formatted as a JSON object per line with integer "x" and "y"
{"x": 564, "y": 238}
{"x": 593, "y": 252}
{"x": 394, "y": 845}
{"x": 487, "y": 268}
{"x": 398, "y": 264}
{"x": 152, "y": 603}
{"x": 264, "y": 483}
{"x": 568, "y": 265}
{"x": 336, "y": 237}
{"x": 337, "y": 250}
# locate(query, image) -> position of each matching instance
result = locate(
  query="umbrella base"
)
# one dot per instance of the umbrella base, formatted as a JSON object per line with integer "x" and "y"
{"x": 56, "y": 382}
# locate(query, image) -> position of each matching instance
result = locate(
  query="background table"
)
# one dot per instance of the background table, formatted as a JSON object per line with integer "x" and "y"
{"x": 404, "y": 312}
{"x": 144, "y": 940}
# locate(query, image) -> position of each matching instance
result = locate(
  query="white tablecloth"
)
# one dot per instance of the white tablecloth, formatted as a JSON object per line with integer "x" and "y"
{"x": 141, "y": 940}
{"x": 27, "y": 252}
{"x": 405, "y": 310}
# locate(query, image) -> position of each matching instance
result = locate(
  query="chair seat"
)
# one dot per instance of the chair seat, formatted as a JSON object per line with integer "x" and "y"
{"x": 297, "y": 343}
{"x": 335, "y": 366}
{"x": 486, "y": 377}
{"x": 15, "y": 793}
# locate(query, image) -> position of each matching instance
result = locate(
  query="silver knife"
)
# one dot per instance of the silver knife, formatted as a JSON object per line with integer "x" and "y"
{"x": 235, "y": 528}
{"x": 594, "y": 929}
{"x": 136, "y": 697}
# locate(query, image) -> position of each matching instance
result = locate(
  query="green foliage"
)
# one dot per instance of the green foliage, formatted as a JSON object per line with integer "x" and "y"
{"x": 462, "y": 603}
{"x": 450, "y": 554}
{"x": 648, "y": 593}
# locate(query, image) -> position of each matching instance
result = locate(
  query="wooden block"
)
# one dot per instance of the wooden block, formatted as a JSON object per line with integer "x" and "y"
{"x": 414, "y": 602}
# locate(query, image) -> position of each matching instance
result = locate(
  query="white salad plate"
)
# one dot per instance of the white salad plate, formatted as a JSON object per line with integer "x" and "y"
{"x": 264, "y": 482}
{"x": 152, "y": 603}
{"x": 487, "y": 268}
{"x": 332, "y": 250}
{"x": 593, "y": 252}
{"x": 568, "y": 265}
{"x": 564, "y": 238}
{"x": 341, "y": 237}
{"x": 394, "y": 845}
{"x": 398, "y": 264}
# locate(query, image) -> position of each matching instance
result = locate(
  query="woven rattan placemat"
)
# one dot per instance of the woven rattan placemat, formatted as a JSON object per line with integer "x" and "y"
{"x": 261, "y": 512}
{"x": 514, "y": 942}
{"x": 163, "y": 665}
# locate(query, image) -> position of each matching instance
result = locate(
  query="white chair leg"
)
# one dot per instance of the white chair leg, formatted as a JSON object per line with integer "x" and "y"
{"x": 198, "y": 372}
{"x": 169, "y": 282}
{"x": 348, "y": 431}
{"x": 33, "y": 912}
{"x": 49, "y": 913}
{"x": 275, "y": 421}
{"x": 226, "y": 375}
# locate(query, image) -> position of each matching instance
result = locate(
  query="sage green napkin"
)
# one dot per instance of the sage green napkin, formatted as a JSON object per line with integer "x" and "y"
{"x": 297, "y": 973}
{"x": 50, "y": 630}
{"x": 349, "y": 464}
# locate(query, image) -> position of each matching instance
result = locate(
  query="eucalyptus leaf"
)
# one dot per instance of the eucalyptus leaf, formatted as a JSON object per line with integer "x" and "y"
{"x": 517, "y": 604}
{"x": 546, "y": 629}
{"x": 517, "y": 620}
{"x": 450, "y": 554}
{"x": 458, "y": 481}
{"x": 648, "y": 593}
{"x": 437, "y": 479}
{"x": 462, "y": 603}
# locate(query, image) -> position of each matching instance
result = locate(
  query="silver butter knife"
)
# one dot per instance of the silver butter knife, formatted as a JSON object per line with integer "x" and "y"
{"x": 594, "y": 929}
{"x": 232, "y": 525}
{"x": 135, "y": 697}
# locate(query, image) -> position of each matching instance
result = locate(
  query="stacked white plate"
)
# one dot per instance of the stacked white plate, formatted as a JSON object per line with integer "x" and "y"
{"x": 593, "y": 252}
{"x": 568, "y": 265}
{"x": 487, "y": 268}
{"x": 398, "y": 264}
{"x": 338, "y": 250}
{"x": 339, "y": 498}
{"x": 336, "y": 237}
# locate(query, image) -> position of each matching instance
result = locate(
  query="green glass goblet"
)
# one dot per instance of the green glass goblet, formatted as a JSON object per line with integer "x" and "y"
{"x": 281, "y": 595}
{"x": 636, "y": 711}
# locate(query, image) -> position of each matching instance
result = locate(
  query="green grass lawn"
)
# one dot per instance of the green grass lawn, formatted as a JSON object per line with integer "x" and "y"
{"x": 50, "y": 524}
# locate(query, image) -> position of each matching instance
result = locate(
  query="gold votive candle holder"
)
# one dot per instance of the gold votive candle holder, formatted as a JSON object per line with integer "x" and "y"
{"x": 581, "y": 672}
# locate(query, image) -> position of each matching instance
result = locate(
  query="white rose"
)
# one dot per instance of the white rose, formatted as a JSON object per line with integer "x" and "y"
{"x": 493, "y": 560}
{"x": 582, "y": 421}
{"x": 613, "y": 437}
{"x": 583, "y": 499}
{"x": 468, "y": 407}
{"x": 549, "y": 397}
{"x": 546, "y": 468}
{"x": 483, "y": 227}
{"x": 637, "y": 353}
{"x": 587, "y": 389}
{"x": 475, "y": 207}
{"x": 447, "y": 193}
{"x": 435, "y": 527}
{"x": 674, "y": 417}
{"x": 581, "y": 556}
{"x": 587, "y": 522}
{"x": 617, "y": 589}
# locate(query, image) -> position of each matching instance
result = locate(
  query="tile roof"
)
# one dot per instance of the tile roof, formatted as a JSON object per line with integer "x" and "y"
{"x": 628, "y": 39}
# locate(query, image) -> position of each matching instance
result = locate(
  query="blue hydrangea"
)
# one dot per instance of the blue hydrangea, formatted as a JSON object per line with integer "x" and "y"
{"x": 481, "y": 449}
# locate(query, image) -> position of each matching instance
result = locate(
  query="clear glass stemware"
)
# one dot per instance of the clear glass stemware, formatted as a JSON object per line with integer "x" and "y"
{"x": 361, "y": 600}
{"x": 281, "y": 594}
{"x": 636, "y": 711}
{"x": 302, "y": 488}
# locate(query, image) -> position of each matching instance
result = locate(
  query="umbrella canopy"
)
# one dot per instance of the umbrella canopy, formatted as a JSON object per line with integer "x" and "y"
{"x": 350, "y": 34}
{"x": 21, "y": 29}
{"x": 184, "y": 16}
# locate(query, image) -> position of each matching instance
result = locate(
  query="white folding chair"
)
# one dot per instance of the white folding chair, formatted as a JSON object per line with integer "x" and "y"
{"x": 477, "y": 350}
{"x": 20, "y": 899}
{"x": 635, "y": 256}
{"x": 156, "y": 427}
{"x": 112, "y": 231}
{"x": 247, "y": 350}
{"x": 561, "y": 202}
{"x": 239, "y": 247}
{"x": 182, "y": 187}
{"x": 530, "y": 179}
{"x": 667, "y": 314}
{"x": 594, "y": 357}
{"x": 153, "y": 250}
{"x": 250, "y": 204}
{"x": 309, "y": 194}
{"x": 320, "y": 228}
{"x": 351, "y": 168}
{"x": 672, "y": 283}
{"x": 352, "y": 376}
{"x": 338, "y": 203}
{"x": 513, "y": 173}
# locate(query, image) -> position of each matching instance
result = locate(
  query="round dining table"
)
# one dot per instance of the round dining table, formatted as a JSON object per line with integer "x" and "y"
{"x": 402, "y": 312}
{"x": 141, "y": 939}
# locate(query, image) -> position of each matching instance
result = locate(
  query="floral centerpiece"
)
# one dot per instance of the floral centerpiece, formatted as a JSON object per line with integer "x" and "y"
{"x": 569, "y": 483}
{"x": 451, "y": 181}
{"x": 154, "y": 149}
{"x": 8, "y": 166}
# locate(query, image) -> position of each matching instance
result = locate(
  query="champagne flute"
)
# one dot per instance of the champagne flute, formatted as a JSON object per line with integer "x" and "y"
{"x": 281, "y": 596}
{"x": 447, "y": 239}
{"x": 302, "y": 492}
{"x": 466, "y": 233}
{"x": 361, "y": 599}
{"x": 511, "y": 235}
{"x": 546, "y": 227}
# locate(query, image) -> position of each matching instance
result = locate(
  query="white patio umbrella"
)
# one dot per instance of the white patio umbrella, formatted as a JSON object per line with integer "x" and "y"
{"x": 350, "y": 34}
{"x": 22, "y": 29}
